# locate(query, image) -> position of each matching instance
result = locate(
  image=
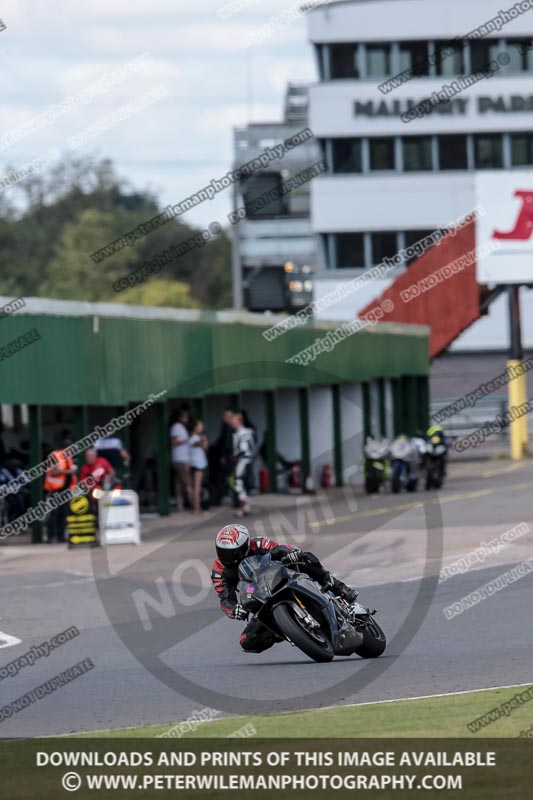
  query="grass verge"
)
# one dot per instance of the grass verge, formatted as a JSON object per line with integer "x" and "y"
{"x": 433, "y": 717}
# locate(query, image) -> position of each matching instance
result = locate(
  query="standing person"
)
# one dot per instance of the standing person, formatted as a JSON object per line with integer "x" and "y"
{"x": 198, "y": 462}
{"x": 243, "y": 452}
{"x": 114, "y": 452}
{"x": 58, "y": 478}
{"x": 249, "y": 478}
{"x": 222, "y": 459}
{"x": 96, "y": 466}
{"x": 179, "y": 437}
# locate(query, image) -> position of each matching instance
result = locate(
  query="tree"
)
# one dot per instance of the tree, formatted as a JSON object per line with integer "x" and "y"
{"x": 52, "y": 221}
{"x": 159, "y": 292}
{"x": 71, "y": 274}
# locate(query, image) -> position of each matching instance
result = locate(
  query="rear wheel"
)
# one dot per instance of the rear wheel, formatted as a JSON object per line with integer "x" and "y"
{"x": 315, "y": 645}
{"x": 396, "y": 480}
{"x": 374, "y": 642}
{"x": 439, "y": 477}
{"x": 434, "y": 476}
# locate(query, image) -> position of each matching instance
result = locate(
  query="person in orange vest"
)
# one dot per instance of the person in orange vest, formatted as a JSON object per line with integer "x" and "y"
{"x": 61, "y": 476}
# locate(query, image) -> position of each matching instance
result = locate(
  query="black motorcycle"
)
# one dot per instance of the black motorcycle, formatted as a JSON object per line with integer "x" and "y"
{"x": 376, "y": 464}
{"x": 435, "y": 458}
{"x": 295, "y": 607}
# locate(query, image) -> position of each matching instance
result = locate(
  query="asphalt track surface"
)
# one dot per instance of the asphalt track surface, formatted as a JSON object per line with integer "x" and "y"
{"x": 186, "y": 656}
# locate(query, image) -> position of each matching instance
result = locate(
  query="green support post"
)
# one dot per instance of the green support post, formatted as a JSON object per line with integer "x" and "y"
{"x": 36, "y": 486}
{"x": 163, "y": 459}
{"x": 337, "y": 434}
{"x": 367, "y": 410}
{"x": 423, "y": 401}
{"x": 411, "y": 404}
{"x": 382, "y": 400}
{"x": 81, "y": 430}
{"x": 234, "y": 402}
{"x": 270, "y": 402}
{"x": 198, "y": 405}
{"x": 404, "y": 384}
{"x": 397, "y": 397}
{"x": 303, "y": 396}
{"x": 125, "y": 435}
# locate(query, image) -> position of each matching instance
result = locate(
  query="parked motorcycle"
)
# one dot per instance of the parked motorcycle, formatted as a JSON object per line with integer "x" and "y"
{"x": 376, "y": 465}
{"x": 405, "y": 461}
{"x": 296, "y": 608}
{"x": 435, "y": 459}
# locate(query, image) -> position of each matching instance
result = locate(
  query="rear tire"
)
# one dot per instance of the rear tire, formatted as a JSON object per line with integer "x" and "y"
{"x": 374, "y": 643}
{"x": 396, "y": 481}
{"x": 298, "y": 636}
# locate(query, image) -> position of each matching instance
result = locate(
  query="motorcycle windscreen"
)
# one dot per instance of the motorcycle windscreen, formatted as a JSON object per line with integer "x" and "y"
{"x": 267, "y": 576}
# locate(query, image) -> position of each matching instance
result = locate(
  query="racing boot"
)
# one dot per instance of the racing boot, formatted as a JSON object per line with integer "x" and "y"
{"x": 341, "y": 590}
{"x": 244, "y": 508}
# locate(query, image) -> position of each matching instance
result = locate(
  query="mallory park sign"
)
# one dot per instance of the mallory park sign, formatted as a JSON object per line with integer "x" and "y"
{"x": 456, "y": 106}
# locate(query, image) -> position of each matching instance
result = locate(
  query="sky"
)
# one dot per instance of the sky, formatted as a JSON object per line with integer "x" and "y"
{"x": 196, "y": 84}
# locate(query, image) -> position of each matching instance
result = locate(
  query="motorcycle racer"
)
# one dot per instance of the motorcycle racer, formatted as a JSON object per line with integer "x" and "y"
{"x": 233, "y": 543}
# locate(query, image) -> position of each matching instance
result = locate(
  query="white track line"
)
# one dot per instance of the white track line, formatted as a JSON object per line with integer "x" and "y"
{"x": 8, "y": 641}
{"x": 304, "y": 710}
{"x": 421, "y": 697}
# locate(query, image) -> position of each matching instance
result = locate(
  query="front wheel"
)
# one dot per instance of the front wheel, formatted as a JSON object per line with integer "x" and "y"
{"x": 374, "y": 641}
{"x": 314, "y": 645}
{"x": 372, "y": 484}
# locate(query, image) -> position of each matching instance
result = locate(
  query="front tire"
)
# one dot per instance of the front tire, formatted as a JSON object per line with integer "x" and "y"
{"x": 288, "y": 625}
{"x": 374, "y": 643}
{"x": 372, "y": 485}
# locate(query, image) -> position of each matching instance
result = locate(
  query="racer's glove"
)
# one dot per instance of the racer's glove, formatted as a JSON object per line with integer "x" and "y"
{"x": 239, "y": 613}
{"x": 293, "y": 556}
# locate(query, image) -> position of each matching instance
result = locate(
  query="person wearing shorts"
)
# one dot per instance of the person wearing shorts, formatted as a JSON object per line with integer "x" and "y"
{"x": 198, "y": 462}
{"x": 179, "y": 436}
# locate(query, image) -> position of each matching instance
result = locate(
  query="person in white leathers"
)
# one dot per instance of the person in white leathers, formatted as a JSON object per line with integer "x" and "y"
{"x": 243, "y": 452}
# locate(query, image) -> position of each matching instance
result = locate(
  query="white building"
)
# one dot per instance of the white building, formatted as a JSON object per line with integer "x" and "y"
{"x": 277, "y": 233}
{"x": 393, "y": 181}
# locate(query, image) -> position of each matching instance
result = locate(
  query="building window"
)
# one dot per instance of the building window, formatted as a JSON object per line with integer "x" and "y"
{"x": 346, "y": 155}
{"x": 449, "y": 58}
{"x": 411, "y": 238}
{"x": 417, "y": 153}
{"x": 350, "y": 250}
{"x": 255, "y": 191}
{"x": 453, "y": 152}
{"x": 488, "y": 149}
{"x": 482, "y": 52}
{"x": 519, "y": 51}
{"x": 319, "y": 57}
{"x": 343, "y": 61}
{"x": 384, "y": 245}
{"x": 522, "y": 149}
{"x": 378, "y": 60}
{"x": 382, "y": 153}
{"x": 265, "y": 289}
{"x": 414, "y": 56}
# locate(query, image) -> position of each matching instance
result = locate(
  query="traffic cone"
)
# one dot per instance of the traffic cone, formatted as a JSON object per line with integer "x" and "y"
{"x": 309, "y": 484}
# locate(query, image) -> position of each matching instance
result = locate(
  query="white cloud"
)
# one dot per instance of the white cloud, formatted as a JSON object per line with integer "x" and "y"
{"x": 185, "y": 139}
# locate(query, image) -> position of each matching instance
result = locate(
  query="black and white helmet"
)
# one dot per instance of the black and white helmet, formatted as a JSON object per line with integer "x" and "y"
{"x": 232, "y": 543}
